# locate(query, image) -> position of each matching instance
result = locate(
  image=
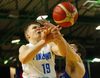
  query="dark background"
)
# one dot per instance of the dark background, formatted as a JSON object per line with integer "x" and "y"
{"x": 24, "y": 11}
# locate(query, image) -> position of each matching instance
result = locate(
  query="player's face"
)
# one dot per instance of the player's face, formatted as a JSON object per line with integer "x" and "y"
{"x": 33, "y": 33}
{"x": 74, "y": 47}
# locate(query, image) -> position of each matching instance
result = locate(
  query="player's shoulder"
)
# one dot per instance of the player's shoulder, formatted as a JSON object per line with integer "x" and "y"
{"x": 23, "y": 48}
{"x": 51, "y": 44}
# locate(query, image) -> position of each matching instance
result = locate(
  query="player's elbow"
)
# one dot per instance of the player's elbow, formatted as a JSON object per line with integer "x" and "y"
{"x": 63, "y": 54}
{"x": 22, "y": 60}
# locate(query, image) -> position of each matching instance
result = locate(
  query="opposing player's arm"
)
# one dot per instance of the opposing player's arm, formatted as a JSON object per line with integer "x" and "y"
{"x": 26, "y": 54}
{"x": 54, "y": 49}
{"x": 74, "y": 63}
{"x": 71, "y": 55}
{"x": 61, "y": 44}
{"x": 58, "y": 50}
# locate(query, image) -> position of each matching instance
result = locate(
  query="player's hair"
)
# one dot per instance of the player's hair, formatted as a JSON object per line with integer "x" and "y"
{"x": 26, "y": 27}
{"x": 80, "y": 50}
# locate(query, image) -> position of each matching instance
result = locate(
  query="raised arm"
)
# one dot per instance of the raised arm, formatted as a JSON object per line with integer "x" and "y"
{"x": 71, "y": 54}
{"x": 74, "y": 65}
{"x": 60, "y": 43}
{"x": 26, "y": 54}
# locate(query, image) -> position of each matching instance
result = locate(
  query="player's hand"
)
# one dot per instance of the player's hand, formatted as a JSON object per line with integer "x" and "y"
{"x": 47, "y": 24}
{"x": 50, "y": 34}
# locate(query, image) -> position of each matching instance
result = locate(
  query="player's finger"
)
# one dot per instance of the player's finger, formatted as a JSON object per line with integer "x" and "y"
{"x": 59, "y": 29}
{"x": 55, "y": 28}
{"x": 50, "y": 28}
{"x": 57, "y": 39}
{"x": 43, "y": 19}
{"x": 41, "y": 22}
{"x": 45, "y": 24}
{"x": 56, "y": 31}
{"x": 42, "y": 28}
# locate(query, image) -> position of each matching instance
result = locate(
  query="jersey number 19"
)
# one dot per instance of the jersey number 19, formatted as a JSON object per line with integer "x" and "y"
{"x": 46, "y": 68}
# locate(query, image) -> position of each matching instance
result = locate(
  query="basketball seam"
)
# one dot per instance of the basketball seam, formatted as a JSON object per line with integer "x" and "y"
{"x": 59, "y": 14}
{"x": 71, "y": 13}
{"x": 68, "y": 11}
{"x": 64, "y": 8}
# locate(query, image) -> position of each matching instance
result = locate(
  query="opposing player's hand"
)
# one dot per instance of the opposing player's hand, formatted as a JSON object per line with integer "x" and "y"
{"x": 45, "y": 23}
{"x": 50, "y": 33}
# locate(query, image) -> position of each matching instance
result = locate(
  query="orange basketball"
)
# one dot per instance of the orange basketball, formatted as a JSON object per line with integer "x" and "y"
{"x": 65, "y": 14}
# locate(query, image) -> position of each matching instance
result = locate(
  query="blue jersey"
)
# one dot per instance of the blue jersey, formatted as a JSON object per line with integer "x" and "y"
{"x": 86, "y": 73}
{"x": 65, "y": 75}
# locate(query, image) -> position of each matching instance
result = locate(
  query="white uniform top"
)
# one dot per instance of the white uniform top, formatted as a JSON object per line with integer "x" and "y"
{"x": 42, "y": 65}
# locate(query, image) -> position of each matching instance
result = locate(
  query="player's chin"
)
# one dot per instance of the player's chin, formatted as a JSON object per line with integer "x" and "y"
{"x": 39, "y": 35}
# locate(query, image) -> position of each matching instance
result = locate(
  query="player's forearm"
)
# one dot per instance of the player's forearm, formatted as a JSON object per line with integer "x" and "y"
{"x": 70, "y": 54}
{"x": 31, "y": 52}
{"x": 61, "y": 46}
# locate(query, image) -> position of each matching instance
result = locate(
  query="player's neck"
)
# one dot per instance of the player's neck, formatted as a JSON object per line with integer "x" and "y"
{"x": 34, "y": 41}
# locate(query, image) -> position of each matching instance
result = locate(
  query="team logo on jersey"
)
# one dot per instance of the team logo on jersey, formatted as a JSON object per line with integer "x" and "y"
{"x": 40, "y": 56}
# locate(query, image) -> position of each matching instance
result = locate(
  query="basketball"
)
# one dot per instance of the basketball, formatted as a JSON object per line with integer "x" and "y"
{"x": 65, "y": 14}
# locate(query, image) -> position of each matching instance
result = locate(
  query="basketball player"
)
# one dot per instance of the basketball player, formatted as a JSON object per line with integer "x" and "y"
{"x": 37, "y": 57}
{"x": 74, "y": 64}
{"x": 73, "y": 53}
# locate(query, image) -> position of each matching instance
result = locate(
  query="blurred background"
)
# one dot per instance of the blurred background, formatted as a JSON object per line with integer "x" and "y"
{"x": 14, "y": 14}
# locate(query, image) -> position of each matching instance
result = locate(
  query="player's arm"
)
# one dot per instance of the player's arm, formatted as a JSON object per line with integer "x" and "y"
{"x": 60, "y": 42}
{"x": 71, "y": 55}
{"x": 26, "y": 54}
{"x": 58, "y": 47}
{"x": 54, "y": 49}
{"x": 61, "y": 45}
{"x": 74, "y": 63}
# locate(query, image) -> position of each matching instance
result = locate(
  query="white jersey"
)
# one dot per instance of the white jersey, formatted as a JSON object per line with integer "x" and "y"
{"x": 42, "y": 65}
